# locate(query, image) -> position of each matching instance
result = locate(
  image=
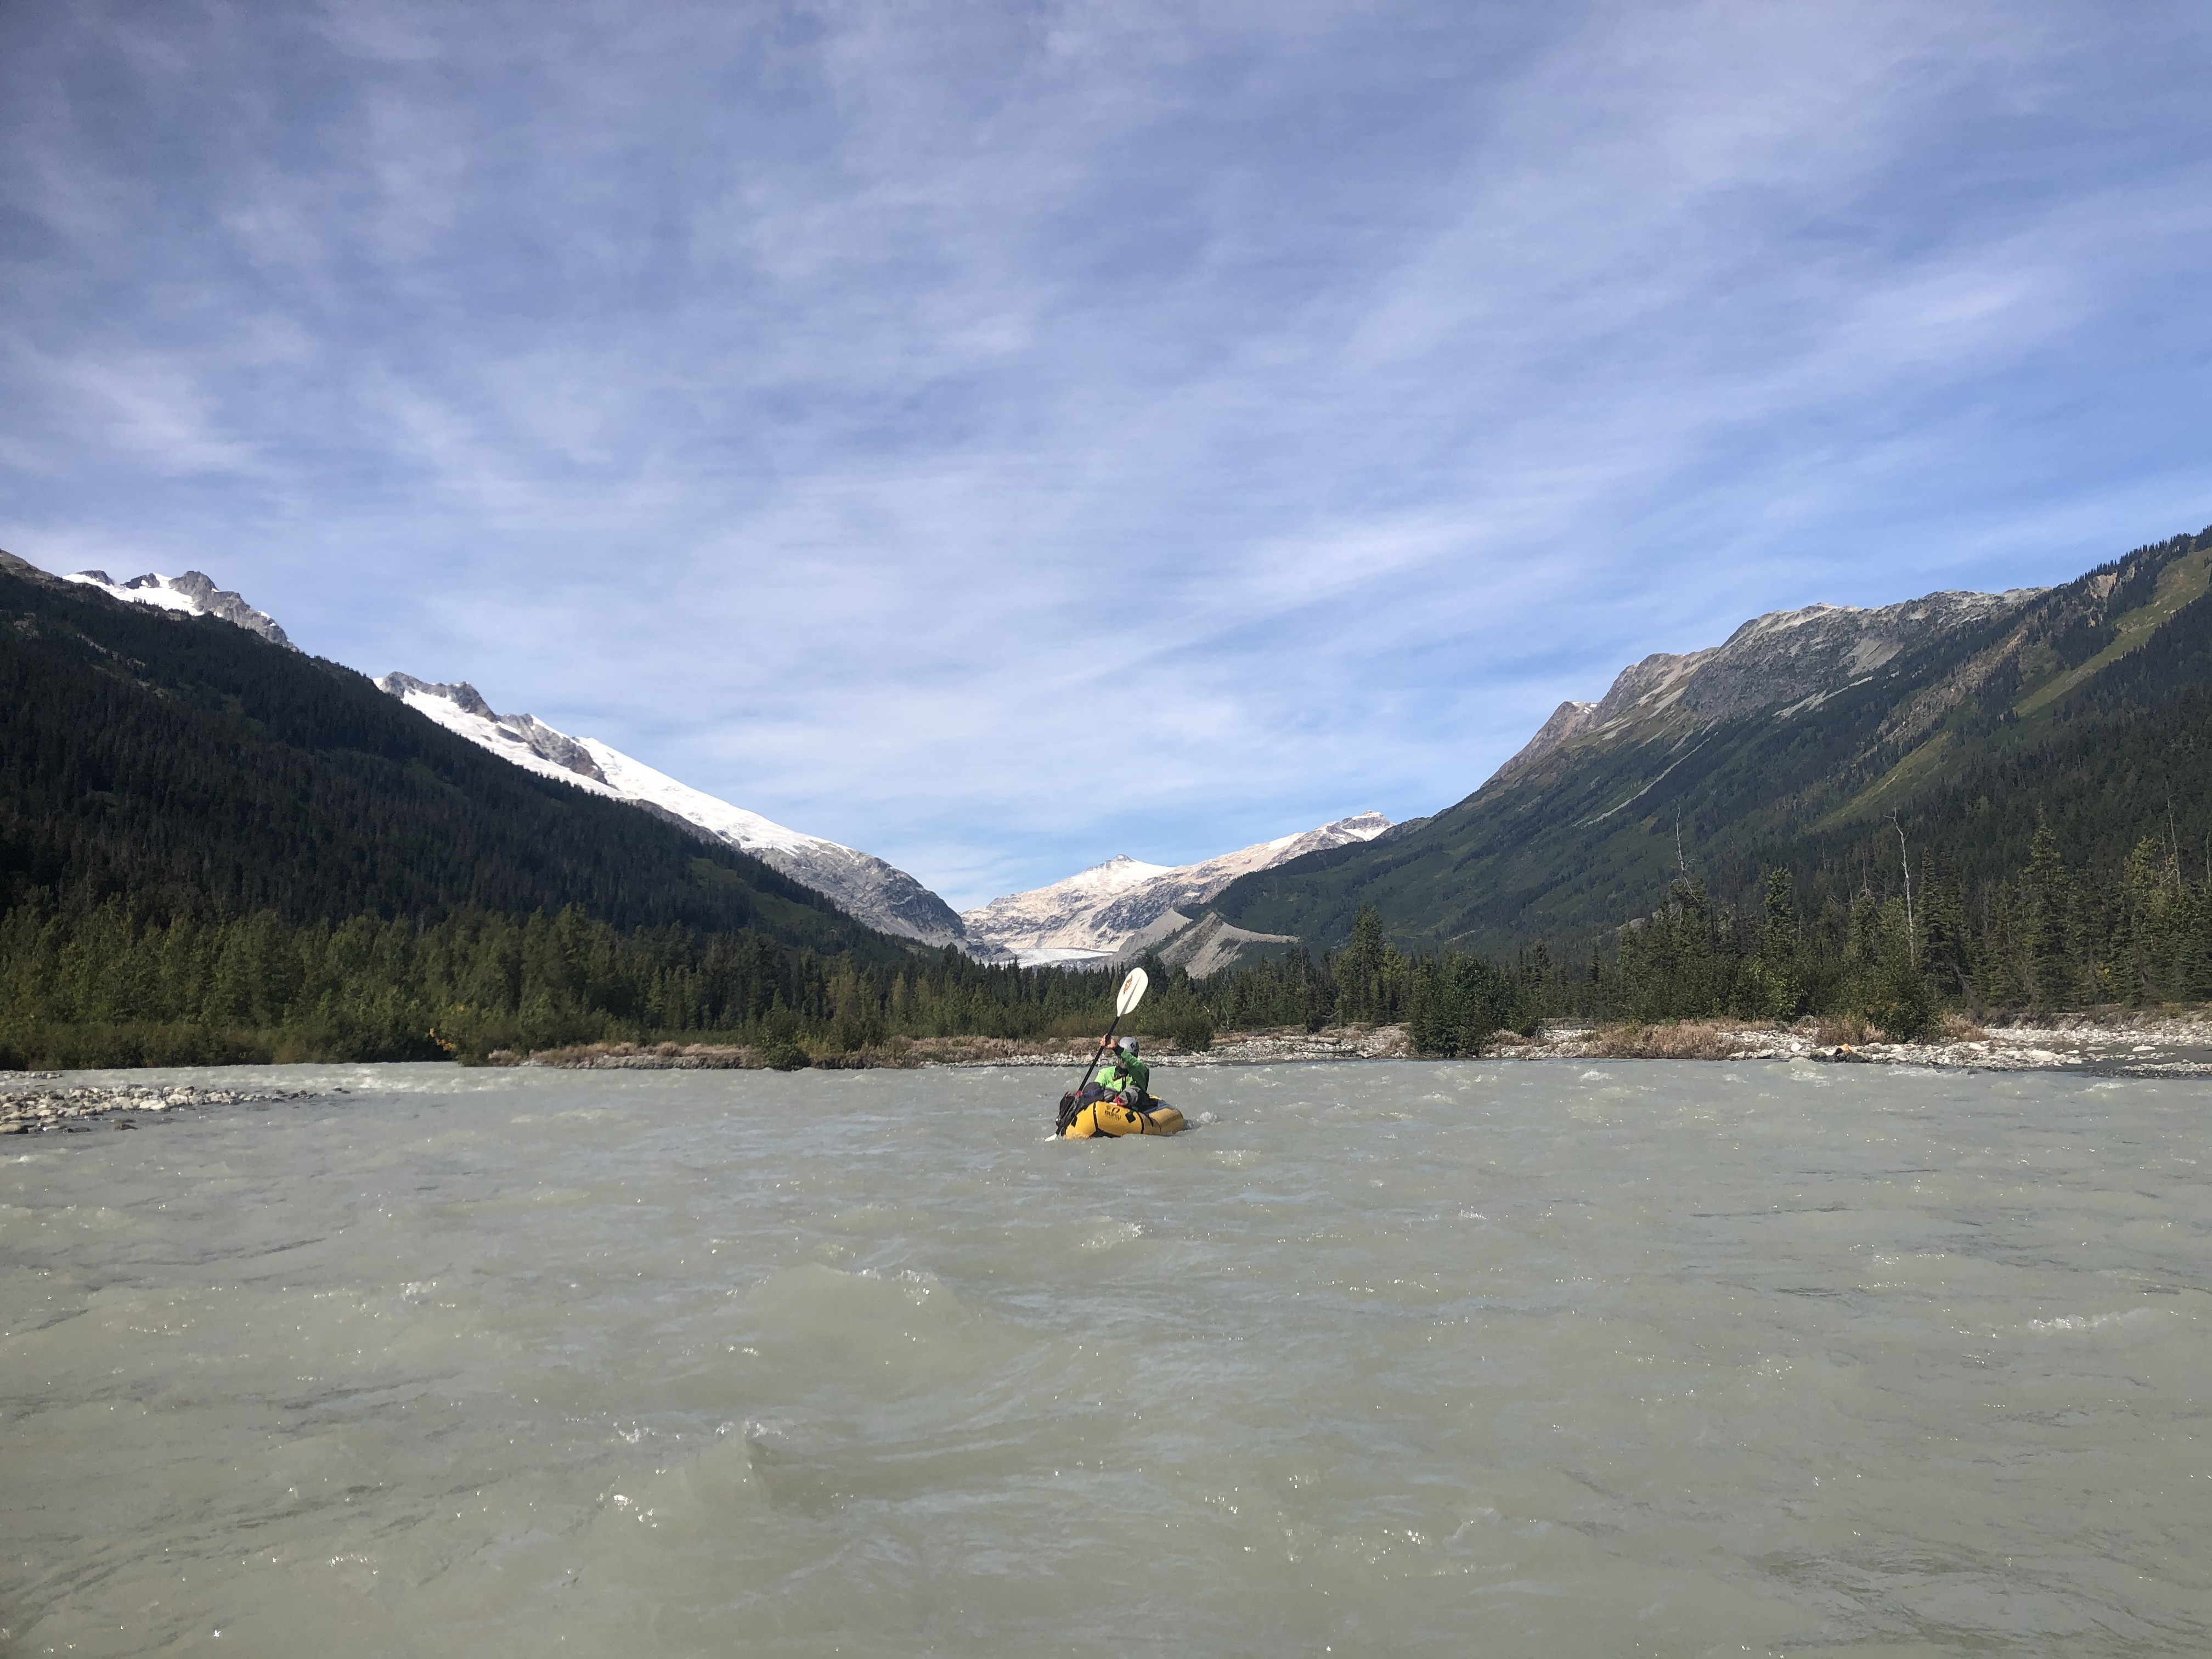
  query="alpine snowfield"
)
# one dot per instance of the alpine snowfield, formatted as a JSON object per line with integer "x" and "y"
{"x": 1124, "y": 904}
{"x": 860, "y": 884}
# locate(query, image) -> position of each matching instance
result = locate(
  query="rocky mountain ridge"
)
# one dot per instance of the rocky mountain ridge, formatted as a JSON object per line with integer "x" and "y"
{"x": 865, "y": 887}
{"x": 1827, "y": 740}
{"x": 1124, "y": 904}
{"x": 1788, "y": 662}
{"x": 194, "y": 594}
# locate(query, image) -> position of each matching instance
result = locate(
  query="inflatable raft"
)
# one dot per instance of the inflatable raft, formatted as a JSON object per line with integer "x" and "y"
{"x": 1092, "y": 1112}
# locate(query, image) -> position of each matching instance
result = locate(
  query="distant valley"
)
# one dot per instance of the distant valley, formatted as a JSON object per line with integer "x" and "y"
{"x": 1830, "y": 741}
{"x": 1112, "y": 910}
{"x": 1821, "y": 740}
{"x": 1124, "y": 906}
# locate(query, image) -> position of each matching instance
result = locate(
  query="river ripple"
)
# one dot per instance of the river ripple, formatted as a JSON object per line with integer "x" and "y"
{"x": 1390, "y": 1359}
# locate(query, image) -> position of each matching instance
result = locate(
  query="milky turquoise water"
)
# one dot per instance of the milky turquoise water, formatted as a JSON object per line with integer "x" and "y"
{"x": 1392, "y": 1358}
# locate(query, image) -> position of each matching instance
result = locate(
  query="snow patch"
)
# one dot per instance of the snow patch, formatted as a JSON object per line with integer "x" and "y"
{"x": 1119, "y": 905}
{"x": 865, "y": 887}
{"x": 633, "y": 778}
{"x": 193, "y": 594}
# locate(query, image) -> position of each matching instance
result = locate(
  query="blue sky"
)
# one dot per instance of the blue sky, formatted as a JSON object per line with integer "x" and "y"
{"x": 999, "y": 436}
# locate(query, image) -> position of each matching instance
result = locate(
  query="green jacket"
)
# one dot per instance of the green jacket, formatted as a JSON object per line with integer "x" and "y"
{"x": 1122, "y": 1072}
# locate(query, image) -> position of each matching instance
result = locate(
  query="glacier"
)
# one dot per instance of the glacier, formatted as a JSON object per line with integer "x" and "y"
{"x": 1124, "y": 905}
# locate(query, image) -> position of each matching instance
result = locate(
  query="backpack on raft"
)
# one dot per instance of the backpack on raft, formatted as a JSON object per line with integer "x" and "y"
{"x": 1073, "y": 1103}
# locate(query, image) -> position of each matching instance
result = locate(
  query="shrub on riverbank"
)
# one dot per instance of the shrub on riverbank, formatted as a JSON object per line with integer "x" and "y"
{"x": 1678, "y": 1040}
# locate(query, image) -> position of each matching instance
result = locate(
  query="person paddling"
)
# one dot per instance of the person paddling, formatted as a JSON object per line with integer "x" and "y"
{"x": 1114, "y": 1099}
{"x": 1126, "y": 1075}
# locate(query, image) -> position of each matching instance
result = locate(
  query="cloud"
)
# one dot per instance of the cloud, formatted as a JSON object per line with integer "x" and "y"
{"x": 906, "y": 425}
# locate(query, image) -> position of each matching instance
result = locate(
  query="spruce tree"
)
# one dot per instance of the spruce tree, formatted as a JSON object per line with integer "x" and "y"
{"x": 1781, "y": 993}
{"x": 2049, "y": 923}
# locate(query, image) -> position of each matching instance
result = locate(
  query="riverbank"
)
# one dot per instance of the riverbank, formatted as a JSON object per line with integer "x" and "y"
{"x": 909, "y": 1053}
{"x": 2168, "y": 1044}
{"x": 37, "y": 1103}
{"x": 2130, "y": 1044}
{"x": 2121, "y": 1044}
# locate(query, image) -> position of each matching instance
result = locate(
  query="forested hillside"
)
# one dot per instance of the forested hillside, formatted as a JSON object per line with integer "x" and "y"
{"x": 2084, "y": 709}
{"x": 213, "y": 848}
{"x": 182, "y": 766}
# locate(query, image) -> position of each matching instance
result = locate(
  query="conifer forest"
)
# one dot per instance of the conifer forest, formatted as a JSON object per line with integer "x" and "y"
{"x": 215, "y": 849}
{"x": 104, "y": 982}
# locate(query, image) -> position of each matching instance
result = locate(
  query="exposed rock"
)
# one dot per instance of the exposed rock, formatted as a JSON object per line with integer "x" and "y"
{"x": 1787, "y": 663}
{"x": 1568, "y": 721}
{"x": 2135, "y": 1045}
{"x": 36, "y": 1110}
{"x": 865, "y": 887}
{"x": 532, "y": 734}
{"x": 1212, "y": 945}
{"x": 1123, "y": 905}
{"x": 194, "y": 593}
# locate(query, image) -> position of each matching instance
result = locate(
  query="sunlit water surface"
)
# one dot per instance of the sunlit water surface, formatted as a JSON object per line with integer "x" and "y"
{"x": 1443, "y": 1360}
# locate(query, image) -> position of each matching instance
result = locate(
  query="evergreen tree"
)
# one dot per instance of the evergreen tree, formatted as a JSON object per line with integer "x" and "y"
{"x": 1358, "y": 967}
{"x": 1777, "y": 989}
{"x": 2048, "y": 901}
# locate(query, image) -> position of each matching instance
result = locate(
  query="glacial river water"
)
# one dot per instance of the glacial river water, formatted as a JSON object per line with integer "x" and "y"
{"x": 1543, "y": 1359}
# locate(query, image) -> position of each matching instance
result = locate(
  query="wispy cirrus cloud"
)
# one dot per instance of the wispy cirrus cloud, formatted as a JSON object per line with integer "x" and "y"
{"x": 883, "y": 419}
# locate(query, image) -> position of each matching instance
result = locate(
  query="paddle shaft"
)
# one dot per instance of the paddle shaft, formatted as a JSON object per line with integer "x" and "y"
{"x": 1133, "y": 987}
{"x": 1104, "y": 1043}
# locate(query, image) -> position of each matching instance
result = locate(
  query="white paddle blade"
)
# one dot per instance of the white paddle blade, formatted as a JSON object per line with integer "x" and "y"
{"x": 1133, "y": 992}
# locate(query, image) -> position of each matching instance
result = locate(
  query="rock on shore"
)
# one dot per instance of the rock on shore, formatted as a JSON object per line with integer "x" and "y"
{"x": 73, "y": 1108}
{"x": 1234, "y": 1048}
{"x": 2144, "y": 1045}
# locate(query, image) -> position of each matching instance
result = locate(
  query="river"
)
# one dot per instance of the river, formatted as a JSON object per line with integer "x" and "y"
{"x": 1542, "y": 1359}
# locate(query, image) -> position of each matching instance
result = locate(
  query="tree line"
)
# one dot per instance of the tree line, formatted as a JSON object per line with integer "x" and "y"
{"x": 99, "y": 982}
{"x": 1899, "y": 949}
{"x": 95, "y": 980}
{"x": 1895, "y": 947}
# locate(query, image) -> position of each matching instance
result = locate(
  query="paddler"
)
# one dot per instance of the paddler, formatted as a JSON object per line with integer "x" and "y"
{"x": 1126, "y": 1075}
{"x": 1116, "y": 1102}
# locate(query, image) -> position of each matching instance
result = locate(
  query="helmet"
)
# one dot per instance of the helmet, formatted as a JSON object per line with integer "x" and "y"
{"x": 1127, "y": 1045}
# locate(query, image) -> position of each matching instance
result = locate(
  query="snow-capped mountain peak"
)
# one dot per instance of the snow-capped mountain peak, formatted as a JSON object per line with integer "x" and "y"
{"x": 1116, "y": 875}
{"x": 194, "y": 594}
{"x": 1124, "y": 904}
{"x": 862, "y": 885}
{"x": 528, "y": 742}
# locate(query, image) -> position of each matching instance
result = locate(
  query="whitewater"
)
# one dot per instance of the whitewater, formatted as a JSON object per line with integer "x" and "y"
{"x": 1392, "y": 1358}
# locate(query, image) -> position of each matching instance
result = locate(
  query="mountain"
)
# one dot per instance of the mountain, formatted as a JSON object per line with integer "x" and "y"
{"x": 193, "y": 594}
{"x": 153, "y": 755}
{"x": 1124, "y": 905}
{"x": 1789, "y": 661}
{"x": 863, "y": 886}
{"x": 1815, "y": 740}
